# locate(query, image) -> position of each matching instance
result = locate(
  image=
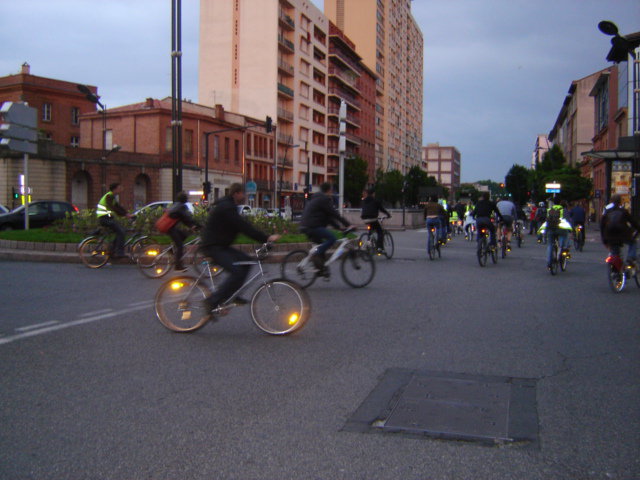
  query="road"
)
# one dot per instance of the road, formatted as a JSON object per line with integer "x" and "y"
{"x": 93, "y": 387}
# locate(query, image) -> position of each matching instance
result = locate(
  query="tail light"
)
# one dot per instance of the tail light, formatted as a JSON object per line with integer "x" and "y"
{"x": 483, "y": 231}
{"x": 368, "y": 226}
{"x": 75, "y": 209}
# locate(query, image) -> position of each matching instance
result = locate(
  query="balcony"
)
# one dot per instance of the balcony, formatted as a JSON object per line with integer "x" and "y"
{"x": 350, "y": 80}
{"x": 344, "y": 59}
{"x": 285, "y": 114}
{"x": 285, "y": 90}
{"x": 336, "y": 92}
{"x": 287, "y": 45}
{"x": 285, "y": 138}
{"x": 285, "y": 67}
{"x": 286, "y": 21}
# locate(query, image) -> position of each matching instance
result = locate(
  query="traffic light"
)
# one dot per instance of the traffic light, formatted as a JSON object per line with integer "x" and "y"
{"x": 16, "y": 195}
{"x": 206, "y": 188}
{"x": 306, "y": 192}
{"x": 268, "y": 124}
{"x": 502, "y": 185}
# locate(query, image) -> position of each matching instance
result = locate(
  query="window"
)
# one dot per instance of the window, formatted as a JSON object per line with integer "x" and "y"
{"x": 216, "y": 148}
{"x": 75, "y": 115}
{"x": 602, "y": 108}
{"x": 75, "y": 141}
{"x": 188, "y": 142}
{"x": 226, "y": 149}
{"x": 248, "y": 147}
{"x": 46, "y": 112}
{"x": 304, "y": 112}
{"x": 304, "y": 90}
{"x": 236, "y": 152}
{"x": 168, "y": 139}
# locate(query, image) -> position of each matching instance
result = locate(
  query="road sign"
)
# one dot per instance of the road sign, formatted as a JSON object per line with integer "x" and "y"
{"x": 552, "y": 187}
{"x": 18, "y": 127}
{"x": 251, "y": 187}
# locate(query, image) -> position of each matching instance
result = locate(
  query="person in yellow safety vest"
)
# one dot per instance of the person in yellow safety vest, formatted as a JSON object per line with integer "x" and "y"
{"x": 453, "y": 221}
{"x": 108, "y": 207}
{"x": 556, "y": 226}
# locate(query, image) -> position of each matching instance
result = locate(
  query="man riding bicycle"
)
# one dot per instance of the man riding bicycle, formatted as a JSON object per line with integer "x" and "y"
{"x": 319, "y": 213}
{"x": 555, "y": 226}
{"x": 509, "y": 214}
{"x": 433, "y": 212}
{"x": 617, "y": 228}
{"x": 482, "y": 214}
{"x": 223, "y": 224}
{"x": 371, "y": 208}
{"x": 106, "y": 210}
{"x": 577, "y": 216}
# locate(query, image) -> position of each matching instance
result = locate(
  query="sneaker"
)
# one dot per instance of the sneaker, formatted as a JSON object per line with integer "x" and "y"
{"x": 379, "y": 250}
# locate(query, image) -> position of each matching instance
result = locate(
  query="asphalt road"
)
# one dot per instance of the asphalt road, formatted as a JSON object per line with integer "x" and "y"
{"x": 93, "y": 387}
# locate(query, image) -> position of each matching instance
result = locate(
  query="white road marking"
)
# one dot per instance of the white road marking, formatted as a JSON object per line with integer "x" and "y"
{"x": 80, "y": 321}
{"x": 97, "y": 312}
{"x": 37, "y": 325}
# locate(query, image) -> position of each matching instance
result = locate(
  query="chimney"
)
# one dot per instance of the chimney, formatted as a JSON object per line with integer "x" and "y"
{"x": 149, "y": 103}
{"x": 26, "y": 69}
{"x": 219, "y": 112}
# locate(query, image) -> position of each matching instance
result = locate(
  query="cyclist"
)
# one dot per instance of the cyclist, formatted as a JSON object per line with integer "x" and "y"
{"x": 319, "y": 213}
{"x": 555, "y": 226}
{"x": 540, "y": 218}
{"x": 223, "y": 224}
{"x": 617, "y": 228}
{"x": 433, "y": 212}
{"x": 469, "y": 223}
{"x": 371, "y": 208}
{"x": 482, "y": 214}
{"x": 509, "y": 214}
{"x": 577, "y": 216}
{"x": 180, "y": 210}
{"x": 108, "y": 206}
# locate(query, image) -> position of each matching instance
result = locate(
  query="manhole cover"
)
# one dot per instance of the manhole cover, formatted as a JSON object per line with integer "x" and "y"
{"x": 453, "y": 406}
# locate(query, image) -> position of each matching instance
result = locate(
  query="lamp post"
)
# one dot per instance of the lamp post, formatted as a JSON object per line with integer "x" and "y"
{"x": 93, "y": 98}
{"x": 284, "y": 162}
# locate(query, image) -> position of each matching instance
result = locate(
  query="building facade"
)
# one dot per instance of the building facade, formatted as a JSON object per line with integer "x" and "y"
{"x": 541, "y": 147}
{"x": 60, "y": 104}
{"x": 443, "y": 163}
{"x": 573, "y": 129}
{"x": 388, "y": 39}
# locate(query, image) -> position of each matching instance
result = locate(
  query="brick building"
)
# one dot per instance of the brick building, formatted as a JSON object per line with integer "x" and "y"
{"x": 443, "y": 163}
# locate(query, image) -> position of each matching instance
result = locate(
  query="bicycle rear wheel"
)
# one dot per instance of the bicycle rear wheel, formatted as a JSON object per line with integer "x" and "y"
{"x": 94, "y": 251}
{"x": 366, "y": 242}
{"x": 297, "y": 267}
{"x": 154, "y": 261}
{"x": 562, "y": 260}
{"x": 179, "y": 304}
{"x": 617, "y": 279}
{"x": 357, "y": 268}
{"x": 554, "y": 260}
{"x": 201, "y": 263}
{"x": 482, "y": 252}
{"x": 493, "y": 251}
{"x": 388, "y": 245}
{"x": 138, "y": 246}
{"x": 280, "y": 307}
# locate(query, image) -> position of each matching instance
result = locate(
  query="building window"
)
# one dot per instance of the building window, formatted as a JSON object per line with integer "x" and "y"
{"x": 216, "y": 148}
{"x": 248, "y": 141}
{"x": 236, "y": 152}
{"x": 188, "y": 142}
{"x": 75, "y": 115}
{"x": 168, "y": 141}
{"x": 75, "y": 141}
{"x": 602, "y": 108}
{"x": 47, "y": 109}
{"x": 226, "y": 149}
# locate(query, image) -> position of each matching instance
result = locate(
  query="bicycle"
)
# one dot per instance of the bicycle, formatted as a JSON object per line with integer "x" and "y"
{"x": 433, "y": 244}
{"x": 578, "y": 237}
{"x": 369, "y": 240}
{"x": 619, "y": 271}
{"x": 559, "y": 257}
{"x": 357, "y": 266}
{"x": 277, "y": 306}
{"x": 95, "y": 250}
{"x": 517, "y": 232}
{"x": 484, "y": 249}
{"x": 504, "y": 245}
{"x": 156, "y": 261}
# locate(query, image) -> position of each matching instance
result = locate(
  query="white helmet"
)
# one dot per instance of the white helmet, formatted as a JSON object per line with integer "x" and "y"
{"x": 541, "y": 204}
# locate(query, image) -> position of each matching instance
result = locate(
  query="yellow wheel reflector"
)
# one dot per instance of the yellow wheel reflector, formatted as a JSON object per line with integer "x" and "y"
{"x": 186, "y": 315}
{"x": 293, "y": 319}
{"x": 152, "y": 253}
{"x": 176, "y": 285}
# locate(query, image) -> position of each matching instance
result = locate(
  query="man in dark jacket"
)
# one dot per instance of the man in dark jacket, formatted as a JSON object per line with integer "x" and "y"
{"x": 180, "y": 210}
{"x": 319, "y": 213}
{"x": 482, "y": 214}
{"x": 618, "y": 227}
{"x": 371, "y": 208}
{"x": 223, "y": 225}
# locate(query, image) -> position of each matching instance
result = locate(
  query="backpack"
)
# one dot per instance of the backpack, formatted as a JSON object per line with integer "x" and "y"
{"x": 616, "y": 225}
{"x": 553, "y": 218}
{"x": 165, "y": 222}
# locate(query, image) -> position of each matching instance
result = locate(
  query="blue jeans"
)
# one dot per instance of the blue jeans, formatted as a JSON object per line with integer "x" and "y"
{"x": 432, "y": 222}
{"x": 563, "y": 237}
{"x": 323, "y": 236}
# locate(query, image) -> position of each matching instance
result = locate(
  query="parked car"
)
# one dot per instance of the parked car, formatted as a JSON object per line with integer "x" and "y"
{"x": 260, "y": 211}
{"x": 41, "y": 214}
{"x": 273, "y": 212}
{"x": 161, "y": 204}
{"x": 245, "y": 210}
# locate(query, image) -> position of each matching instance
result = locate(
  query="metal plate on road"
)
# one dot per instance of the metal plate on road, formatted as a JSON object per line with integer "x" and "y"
{"x": 451, "y": 406}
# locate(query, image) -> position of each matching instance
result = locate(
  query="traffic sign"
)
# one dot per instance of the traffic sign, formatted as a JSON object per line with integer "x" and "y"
{"x": 18, "y": 125}
{"x": 552, "y": 187}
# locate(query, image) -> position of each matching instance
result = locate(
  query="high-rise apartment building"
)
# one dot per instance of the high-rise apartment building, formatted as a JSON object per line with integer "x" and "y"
{"x": 270, "y": 57}
{"x": 390, "y": 43}
{"x": 444, "y": 164}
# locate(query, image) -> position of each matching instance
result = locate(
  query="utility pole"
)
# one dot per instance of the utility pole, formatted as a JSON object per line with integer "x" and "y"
{"x": 342, "y": 146}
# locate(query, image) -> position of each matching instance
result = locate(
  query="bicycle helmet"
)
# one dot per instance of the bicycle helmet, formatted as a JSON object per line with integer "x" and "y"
{"x": 541, "y": 204}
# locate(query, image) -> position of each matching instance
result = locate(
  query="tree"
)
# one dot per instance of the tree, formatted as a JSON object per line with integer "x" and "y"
{"x": 467, "y": 190}
{"x": 517, "y": 183}
{"x": 355, "y": 180}
{"x": 416, "y": 178}
{"x": 389, "y": 186}
{"x": 553, "y": 159}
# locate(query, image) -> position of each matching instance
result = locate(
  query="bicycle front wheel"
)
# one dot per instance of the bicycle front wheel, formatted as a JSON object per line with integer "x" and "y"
{"x": 280, "y": 307}
{"x": 357, "y": 268}
{"x": 137, "y": 247}
{"x": 388, "y": 245}
{"x": 154, "y": 262}
{"x": 298, "y": 267}
{"x": 562, "y": 260}
{"x": 94, "y": 252}
{"x": 180, "y": 304}
{"x": 554, "y": 260}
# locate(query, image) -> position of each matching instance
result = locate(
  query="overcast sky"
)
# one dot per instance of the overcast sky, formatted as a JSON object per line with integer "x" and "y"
{"x": 495, "y": 71}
